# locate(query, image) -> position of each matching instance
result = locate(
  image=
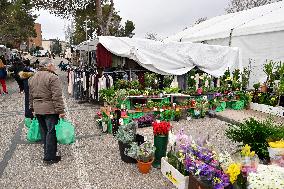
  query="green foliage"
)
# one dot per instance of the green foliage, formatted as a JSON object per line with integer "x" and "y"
{"x": 177, "y": 115}
{"x": 191, "y": 79}
{"x": 255, "y": 134}
{"x": 107, "y": 95}
{"x": 236, "y": 75}
{"x": 17, "y": 21}
{"x": 245, "y": 78}
{"x": 126, "y": 133}
{"x": 167, "y": 115}
{"x": 269, "y": 68}
{"x": 168, "y": 79}
{"x": 56, "y": 47}
{"x": 256, "y": 86}
{"x": 171, "y": 90}
{"x": 145, "y": 152}
{"x": 151, "y": 80}
{"x": 173, "y": 159}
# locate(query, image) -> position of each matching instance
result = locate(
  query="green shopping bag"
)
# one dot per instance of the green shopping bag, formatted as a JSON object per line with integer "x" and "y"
{"x": 65, "y": 132}
{"x": 28, "y": 122}
{"x": 34, "y": 134}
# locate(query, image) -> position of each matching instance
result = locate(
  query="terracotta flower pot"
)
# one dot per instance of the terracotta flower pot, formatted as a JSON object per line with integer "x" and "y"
{"x": 143, "y": 167}
{"x": 264, "y": 88}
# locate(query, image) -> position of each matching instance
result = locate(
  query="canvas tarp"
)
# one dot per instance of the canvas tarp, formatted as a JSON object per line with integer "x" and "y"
{"x": 257, "y": 32}
{"x": 173, "y": 58}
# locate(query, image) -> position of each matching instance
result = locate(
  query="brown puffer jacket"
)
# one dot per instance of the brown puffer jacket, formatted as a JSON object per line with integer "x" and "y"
{"x": 46, "y": 93}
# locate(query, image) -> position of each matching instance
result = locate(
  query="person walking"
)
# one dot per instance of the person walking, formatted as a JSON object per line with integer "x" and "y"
{"x": 3, "y": 75}
{"x": 16, "y": 68}
{"x": 25, "y": 75}
{"x": 46, "y": 101}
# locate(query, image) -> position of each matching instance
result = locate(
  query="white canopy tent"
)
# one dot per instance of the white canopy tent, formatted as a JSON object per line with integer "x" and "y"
{"x": 258, "y": 32}
{"x": 174, "y": 58}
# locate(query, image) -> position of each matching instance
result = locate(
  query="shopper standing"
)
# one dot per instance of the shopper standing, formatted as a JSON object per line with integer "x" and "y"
{"x": 3, "y": 75}
{"x": 16, "y": 68}
{"x": 25, "y": 75}
{"x": 47, "y": 103}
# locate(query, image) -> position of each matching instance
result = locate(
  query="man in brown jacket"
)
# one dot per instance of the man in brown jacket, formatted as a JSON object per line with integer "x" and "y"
{"x": 46, "y": 102}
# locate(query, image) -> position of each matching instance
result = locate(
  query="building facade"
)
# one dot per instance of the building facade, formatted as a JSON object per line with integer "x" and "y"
{"x": 37, "y": 41}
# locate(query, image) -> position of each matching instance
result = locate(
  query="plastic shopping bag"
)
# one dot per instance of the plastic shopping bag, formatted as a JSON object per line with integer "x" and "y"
{"x": 34, "y": 134}
{"x": 65, "y": 132}
{"x": 28, "y": 122}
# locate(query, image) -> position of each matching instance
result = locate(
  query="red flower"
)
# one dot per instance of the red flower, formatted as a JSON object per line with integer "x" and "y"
{"x": 161, "y": 128}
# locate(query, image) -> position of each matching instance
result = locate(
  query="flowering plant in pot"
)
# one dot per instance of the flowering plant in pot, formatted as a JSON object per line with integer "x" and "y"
{"x": 146, "y": 120}
{"x": 144, "y": 154}
{"x": 161, "y": 132}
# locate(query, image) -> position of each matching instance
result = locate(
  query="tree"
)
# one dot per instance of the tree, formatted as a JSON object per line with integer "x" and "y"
{"x": 199, "y": 20}
{"x": 115, "y": 27}
{"x": 56, "y": 47}
{"x": 17, "y": 21}
{"x": 128, "y": 29}
{"x": 71, "y": 7}
{"x": 153, "y": 36}
{"x": 240, "y": 5}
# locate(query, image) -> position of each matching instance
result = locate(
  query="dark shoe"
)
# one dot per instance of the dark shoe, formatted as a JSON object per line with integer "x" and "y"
{"x": 49, "y": 162}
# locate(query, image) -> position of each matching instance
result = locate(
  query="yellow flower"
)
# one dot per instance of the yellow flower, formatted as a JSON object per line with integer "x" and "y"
{"x": 273, "y": 99}
{"x": 233, "y": 171}
{"x": 246, "y": 151}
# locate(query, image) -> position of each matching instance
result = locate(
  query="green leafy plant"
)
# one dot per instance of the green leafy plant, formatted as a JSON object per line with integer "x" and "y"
{"x": 145, "y": 152}
{"x": 269, "y": 68}
{"x": 177, "y": 115}
{"x": 171, "y": 90}
{"x": 134, "y": 92}
{"x": 135, "y": 84}
{"x": 167, "y": 115}
{"x": 126, "y": 133}
{"x": 150, "y": 104}
{"x": 256, "y": 86}
{"x": 256, "y": 134}
{"x": 107, "y": 95}
{"x": 137, "y": 106}
{"x": 245, "y": 78}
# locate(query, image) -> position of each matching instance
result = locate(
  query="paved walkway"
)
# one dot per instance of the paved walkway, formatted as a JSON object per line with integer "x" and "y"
{"x": 93, "y": 161}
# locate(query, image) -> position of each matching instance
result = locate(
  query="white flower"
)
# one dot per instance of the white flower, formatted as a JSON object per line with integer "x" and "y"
{"x": 267, "y": 176}
{"x": 192, "y": 77}
{"x": 172, "y": 138}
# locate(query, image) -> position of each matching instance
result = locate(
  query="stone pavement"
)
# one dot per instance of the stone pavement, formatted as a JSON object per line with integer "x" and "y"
{"x": 93, "y": 161}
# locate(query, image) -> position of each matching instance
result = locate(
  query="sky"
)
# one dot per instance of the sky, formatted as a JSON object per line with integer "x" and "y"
{"x": 164, "y": 17}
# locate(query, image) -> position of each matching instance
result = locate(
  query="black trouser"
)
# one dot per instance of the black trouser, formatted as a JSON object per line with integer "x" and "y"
{"x": 20, "y": 83}
{"x": 47, "y": 124}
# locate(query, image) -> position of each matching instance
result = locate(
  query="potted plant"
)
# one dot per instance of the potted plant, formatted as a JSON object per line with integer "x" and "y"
{"x": 150, "y": 104}
{"x": 145, "y": 121}
{"x": 144, "y": 154}
{"x": 166, "y": 105}
{"x": 161, "y": 132}
{"x": 138, "y": 107}
{"x": 177, "y": 115}
{"x": 125, "y": 135}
